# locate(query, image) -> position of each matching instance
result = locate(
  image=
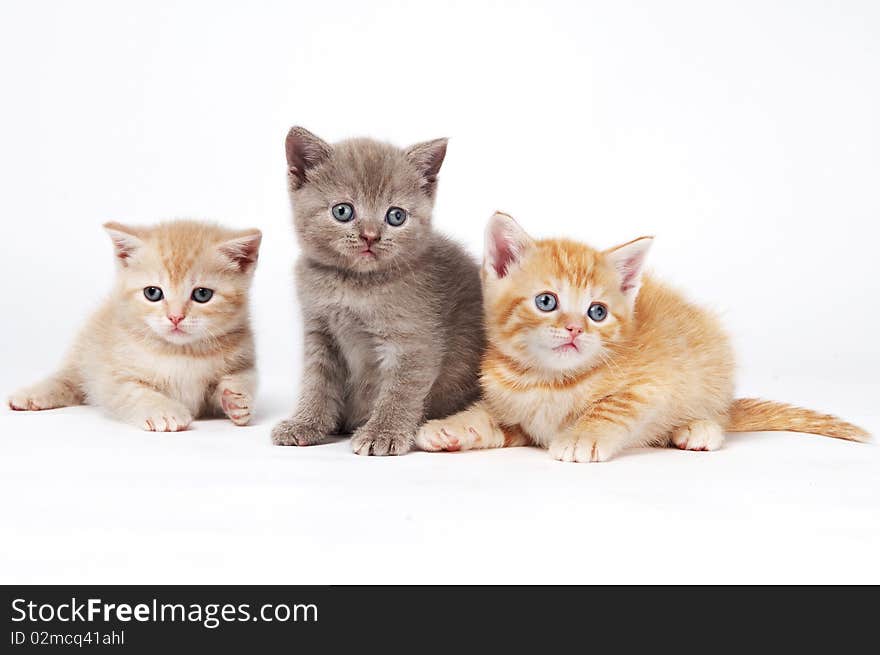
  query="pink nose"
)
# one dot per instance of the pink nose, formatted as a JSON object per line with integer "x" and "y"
{"x": 176, "y": 318}
{"x": 574, "y": 330}
{"x": 369, "y": 238}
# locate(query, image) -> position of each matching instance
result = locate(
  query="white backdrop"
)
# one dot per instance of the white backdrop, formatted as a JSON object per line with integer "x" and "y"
{"x": 743, "y": 134}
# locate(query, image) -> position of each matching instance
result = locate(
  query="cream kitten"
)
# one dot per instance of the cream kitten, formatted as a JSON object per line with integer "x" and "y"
{"x": 587, "y": 358}
{"x": 173, "y": 341}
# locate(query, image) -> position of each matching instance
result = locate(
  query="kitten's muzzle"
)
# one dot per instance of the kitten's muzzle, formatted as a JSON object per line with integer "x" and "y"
{"x": 369, "y": 237}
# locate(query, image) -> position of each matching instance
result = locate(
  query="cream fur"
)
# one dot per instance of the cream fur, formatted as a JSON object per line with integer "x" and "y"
{"x": 131, "y": 361}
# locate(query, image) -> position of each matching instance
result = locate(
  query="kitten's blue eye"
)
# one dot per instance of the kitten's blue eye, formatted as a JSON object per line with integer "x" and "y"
{"x": 153, "y": 294}
{"x": 597, "y": 312}
{"x": 546, "y": 302}
{"x": 343, "y": 212}
{"x": 395, "y": 216}
{"x": 202, "y": 294}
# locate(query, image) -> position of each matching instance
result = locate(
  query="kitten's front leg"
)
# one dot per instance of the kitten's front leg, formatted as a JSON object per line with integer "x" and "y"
{"x": 400, "y": 405}
{"x": 601, "y": 432}
{"x": 598, "y": 443}
{"x": 321, "y": 395}
{"x": 146, "y": 408}
{"x": 234, "y": 396}
{"x": 60, "y": 390}
{"x": 470, "y": 429}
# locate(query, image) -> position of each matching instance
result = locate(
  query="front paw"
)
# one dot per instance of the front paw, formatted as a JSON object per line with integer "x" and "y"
{"x": 439, "y": 435}
{"x": 236, "y": 404}
{"x": 463, "y": 431}
{"x": 368, "y": 440}
{"x": 582, "y": 448}
{"x": 28, "y": 400}
{"x": 34, "y": 399}
{"x": 293, "y": 432}
{"x": 170, "y": 417}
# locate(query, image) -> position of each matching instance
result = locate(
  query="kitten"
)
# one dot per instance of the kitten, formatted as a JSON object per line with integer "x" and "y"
{"x": 586, "y": 358}
{"x": 173, "y": 341}
{"x": 391, "y": 309}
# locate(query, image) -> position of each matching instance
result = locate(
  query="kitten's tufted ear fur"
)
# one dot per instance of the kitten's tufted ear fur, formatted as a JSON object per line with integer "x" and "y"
{"x": 506, "y": 245}
{"x": 242, "y": 252}
{"x": 126, "y": 241}
{"x": 304, "y": 151}
{"x": 629, "y": 260}
{"x": 428, "y": 158}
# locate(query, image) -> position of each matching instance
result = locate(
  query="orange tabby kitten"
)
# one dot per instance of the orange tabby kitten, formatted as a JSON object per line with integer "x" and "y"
{"x": 173, "y": 341}
{"x": 586, "y": 357}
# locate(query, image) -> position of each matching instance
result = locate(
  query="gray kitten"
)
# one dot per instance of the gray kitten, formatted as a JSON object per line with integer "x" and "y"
{"x": 392, "y": 310}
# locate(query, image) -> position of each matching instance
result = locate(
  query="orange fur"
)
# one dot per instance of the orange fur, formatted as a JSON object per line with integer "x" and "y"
{"x": 656, "y": 370}
{"x": 752, "y": 415}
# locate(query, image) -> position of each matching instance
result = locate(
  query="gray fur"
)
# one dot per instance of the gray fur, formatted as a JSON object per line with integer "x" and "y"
{"x": 391, "y": 340}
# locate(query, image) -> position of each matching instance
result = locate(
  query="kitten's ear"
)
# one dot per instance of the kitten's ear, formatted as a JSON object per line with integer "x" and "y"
{"x": 428, "y": 158}
{"x": 126, "y": 241}
{"x": 304, "y": 151}
{"x": 506, "y": 245}
{"x": 629, "y": 260}
{"x": 242, "y": 252}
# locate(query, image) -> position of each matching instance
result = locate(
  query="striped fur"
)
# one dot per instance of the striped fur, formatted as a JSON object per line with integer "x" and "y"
{"x": 754, "y": 415}
{"x": 657, "y": 370}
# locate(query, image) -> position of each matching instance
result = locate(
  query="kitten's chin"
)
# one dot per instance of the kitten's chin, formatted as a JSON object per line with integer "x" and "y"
{"x": 561, "y": 359}
{"x": 370, "y": 262}
{"x": 367, "y": 261}
{"x": 181, "y": 339}
{"x": 177, "y": 337}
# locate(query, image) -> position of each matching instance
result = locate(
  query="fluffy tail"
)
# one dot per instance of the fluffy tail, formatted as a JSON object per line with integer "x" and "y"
{"x": 753, "y": 415}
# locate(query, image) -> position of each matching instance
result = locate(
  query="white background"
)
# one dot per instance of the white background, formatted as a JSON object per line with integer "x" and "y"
{"x": 743, "y": 134}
